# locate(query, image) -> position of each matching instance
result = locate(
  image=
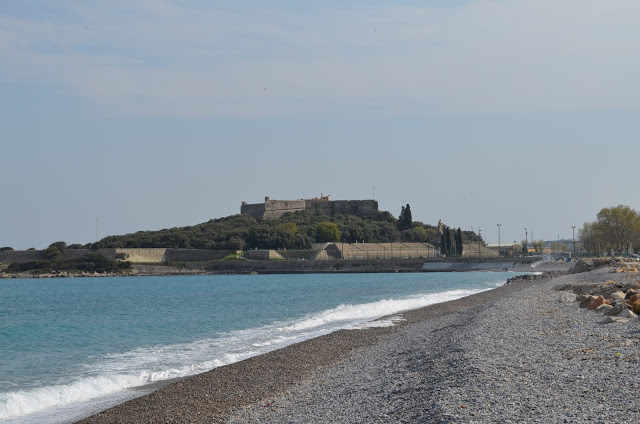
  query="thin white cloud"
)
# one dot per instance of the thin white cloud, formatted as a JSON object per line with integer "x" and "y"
{"x": 478, "y": 57}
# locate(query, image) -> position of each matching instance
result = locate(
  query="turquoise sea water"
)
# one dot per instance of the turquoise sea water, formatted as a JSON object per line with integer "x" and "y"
{"x": 68, "y": 346}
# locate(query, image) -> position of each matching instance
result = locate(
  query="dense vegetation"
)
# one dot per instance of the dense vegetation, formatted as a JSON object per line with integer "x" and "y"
{"x": 52, "y": 261}
{"x": 296, "y": 230}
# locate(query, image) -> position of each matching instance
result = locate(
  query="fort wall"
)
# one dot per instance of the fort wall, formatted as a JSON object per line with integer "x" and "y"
{"x": 9, "y": 256}
{"x": 277, "y": 208}
{"x": 263, "y": 255}
{"x": 271, "y": 209}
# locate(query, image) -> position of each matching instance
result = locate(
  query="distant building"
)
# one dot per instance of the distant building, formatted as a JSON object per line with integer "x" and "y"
{"x": 276, "y": 208}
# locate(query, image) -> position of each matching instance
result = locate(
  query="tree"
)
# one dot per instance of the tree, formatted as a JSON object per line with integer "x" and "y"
{"x": 592, "y": 240}
{"x": 538, "y": 246}
{"x": 2, "y": 249}
{"x": 236, "y": 243}
{"x": 419, "y": 234}
{"x": 327, "y": 232}
{"x": 405, "y": 221}
{"x": 289, "y": 227}
{"x": 443, "y": 240}
{"x": 525, "y": 247}
{"x": 618, "y": 227}
{"x": 459, "y": 242}
{"x": 60, "y": 245}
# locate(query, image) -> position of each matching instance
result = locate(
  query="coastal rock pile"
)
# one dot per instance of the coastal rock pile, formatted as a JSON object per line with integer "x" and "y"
{"x": 618, "y": 264}
{"x": 533, "y": 277}
{"x": 617, "y": 300}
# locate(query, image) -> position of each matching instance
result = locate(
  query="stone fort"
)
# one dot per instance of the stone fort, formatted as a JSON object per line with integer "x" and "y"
{"x": 276, "y": 208}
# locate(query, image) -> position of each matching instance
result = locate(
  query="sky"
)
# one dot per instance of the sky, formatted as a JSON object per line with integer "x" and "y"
{"x": 120, "y": 116}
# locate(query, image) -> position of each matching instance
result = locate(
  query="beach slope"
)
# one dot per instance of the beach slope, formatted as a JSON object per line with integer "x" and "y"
{"x": 524, "y": 352}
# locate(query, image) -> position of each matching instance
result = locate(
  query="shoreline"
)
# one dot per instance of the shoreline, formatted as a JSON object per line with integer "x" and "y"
{"x": 214, "y": 395}
{"x": 524, "y": 352}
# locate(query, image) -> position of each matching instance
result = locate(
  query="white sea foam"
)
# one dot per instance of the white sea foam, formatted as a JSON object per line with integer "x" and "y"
{"x": 353, "y": 314}
{"x": 386, "y": 322}
{"x": 21, "y": 403}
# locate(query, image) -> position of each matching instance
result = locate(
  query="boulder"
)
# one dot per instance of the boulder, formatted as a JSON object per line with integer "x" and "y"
{"x": 600, "y": 300}
{"x": 586, "y": 300}
{"x": 626, "y": 313}
{"x": 604, "y": 308}
{"x": 609, "y": 320}
{"x": 567, "y": 297}
{"x": 633, "y": 298}
{"x": 636, "y": 306}
{"x": 629, "y": 294}
{"x": 616, "y": 295}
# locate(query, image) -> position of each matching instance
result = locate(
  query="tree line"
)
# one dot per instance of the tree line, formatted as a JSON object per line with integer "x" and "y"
{"x": 615, "y": 228}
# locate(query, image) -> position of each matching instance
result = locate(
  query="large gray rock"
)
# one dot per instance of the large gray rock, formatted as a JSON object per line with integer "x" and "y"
{"x": 605, "y": 308}
{"x": 586, "y": 300}
{"x": 617, "y": 295}
{"x": 566, "y": 297}
{"x": 610, "y": 320}
{"x": 627, "y": 313}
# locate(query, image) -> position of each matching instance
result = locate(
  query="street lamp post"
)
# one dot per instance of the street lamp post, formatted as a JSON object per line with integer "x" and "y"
{"x": 573, "y": 229}
{"x": 526, "y": 240}
{"x": 499, "y": 225}
{"x": 479, "y": 242}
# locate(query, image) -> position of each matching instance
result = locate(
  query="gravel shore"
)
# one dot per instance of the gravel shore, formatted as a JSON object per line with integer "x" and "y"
{"x": 524, "y": 352}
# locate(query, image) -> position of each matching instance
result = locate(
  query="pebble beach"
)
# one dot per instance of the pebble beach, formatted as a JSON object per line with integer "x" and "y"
{"x": 524, "y": 352}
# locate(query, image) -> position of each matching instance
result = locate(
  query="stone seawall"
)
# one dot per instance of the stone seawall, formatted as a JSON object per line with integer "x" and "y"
{"x": 463, "y": 266}
{"x": 300, "y": 267}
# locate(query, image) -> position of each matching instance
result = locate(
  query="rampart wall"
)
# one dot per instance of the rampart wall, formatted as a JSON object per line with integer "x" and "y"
{"x": 195, "y": 255}
{"x": 271, "y": 209}
{"x": 9, "y": 256}
{"x": 263, "y": 255}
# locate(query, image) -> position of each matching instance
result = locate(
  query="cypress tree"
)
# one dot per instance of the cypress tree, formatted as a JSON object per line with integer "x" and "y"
{"x": 459, "y": 242}
{"x": 405, "y": 221}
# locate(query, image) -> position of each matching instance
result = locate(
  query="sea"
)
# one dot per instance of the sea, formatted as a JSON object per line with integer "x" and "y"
{"x": 71, "y": 347}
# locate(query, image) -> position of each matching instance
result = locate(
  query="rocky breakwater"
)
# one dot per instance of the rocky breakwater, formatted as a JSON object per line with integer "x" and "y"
{"x": 534, "y": 277}
{"x": 66, "y": 274}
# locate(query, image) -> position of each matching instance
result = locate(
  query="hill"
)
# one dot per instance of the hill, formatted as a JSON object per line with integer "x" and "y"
{"x": 296, "y": 230}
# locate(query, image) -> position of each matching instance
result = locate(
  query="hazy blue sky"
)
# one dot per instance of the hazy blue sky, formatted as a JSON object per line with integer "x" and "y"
{"x": 157, "y": 114}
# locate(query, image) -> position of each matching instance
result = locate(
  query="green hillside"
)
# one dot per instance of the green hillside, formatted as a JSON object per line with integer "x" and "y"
{"x": 297, "y": 230}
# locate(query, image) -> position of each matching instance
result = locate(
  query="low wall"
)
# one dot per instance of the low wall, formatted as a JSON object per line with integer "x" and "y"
{"x": 302, "y": 267}
{"x": 263, "y": 255}
{"x": 196, "y": 255}
{"x": 462, "y": 266}
{"x": 142, "y": 256}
